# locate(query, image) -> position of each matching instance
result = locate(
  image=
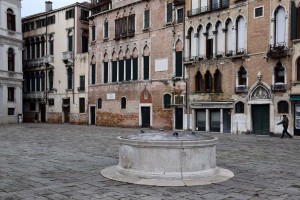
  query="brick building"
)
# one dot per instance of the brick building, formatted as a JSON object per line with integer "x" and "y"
{"x": 56, "y": 65}
{"x": 238, "y": 57}
{"x": 136, "y": 72}
{"x": 11, "y": 75}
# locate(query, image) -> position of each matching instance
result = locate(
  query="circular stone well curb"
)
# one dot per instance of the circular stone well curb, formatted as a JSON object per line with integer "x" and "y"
{"x": 220, "y": 176}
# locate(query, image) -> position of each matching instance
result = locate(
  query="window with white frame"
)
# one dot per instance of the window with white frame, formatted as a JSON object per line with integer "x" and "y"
{"x": 259, "y": 12}
{"x": 240, "y": 35}
{"x": 147, "y": 19}
{"x": 279, "y": 27}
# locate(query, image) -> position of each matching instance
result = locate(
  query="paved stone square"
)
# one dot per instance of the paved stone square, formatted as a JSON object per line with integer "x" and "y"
{"x": 50, "y": 161}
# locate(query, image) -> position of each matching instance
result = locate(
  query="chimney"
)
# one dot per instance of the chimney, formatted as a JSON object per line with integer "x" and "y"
{"x": 48, "y": 6}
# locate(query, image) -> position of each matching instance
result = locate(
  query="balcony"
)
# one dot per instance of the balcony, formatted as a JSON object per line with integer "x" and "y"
{"x": 178, "y": 2}
{"x": 210, "y": 8}
{"x": 241, "y": 89}
{"x": 34, "y": 95}
{"x": 279, "y": 87}
{"x": 67, "y": 57}
{"x": 81, "y": 89}
{"x": 48, "y": 59}
{"x": 278, "y": 51}
{"x": 34, "y": 62}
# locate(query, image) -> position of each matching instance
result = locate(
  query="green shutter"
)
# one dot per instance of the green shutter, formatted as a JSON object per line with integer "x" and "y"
{"x": 294, "y": 23}
{"x": 146, "y": 67}
{"x": 135, "y": 69}
{"x": 128, "y": 69}
{"x": 178, "y": 72}
{"x": 121, "y": 70}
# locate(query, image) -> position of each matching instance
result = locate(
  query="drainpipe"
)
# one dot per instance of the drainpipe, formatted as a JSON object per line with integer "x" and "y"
{"x": 74, "y": 46}
{"x": 185, "y": 79}
{"x": 46, "y": 64}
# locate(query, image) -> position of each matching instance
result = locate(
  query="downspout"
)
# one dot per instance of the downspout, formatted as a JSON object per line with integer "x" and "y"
{"x": 187, "y": 107}
{"x": 46, "y": 64}
{"x": 74, "y": 47}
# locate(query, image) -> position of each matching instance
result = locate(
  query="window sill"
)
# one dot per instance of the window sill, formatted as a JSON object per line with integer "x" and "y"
{"x": 69, "y": 90}
{"x": 105, "y": 39}
{"x": 146, "y": 29}
{"x": 168, "y": 24}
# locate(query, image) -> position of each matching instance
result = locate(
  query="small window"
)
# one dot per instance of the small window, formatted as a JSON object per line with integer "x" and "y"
{"x": 169, "y": 13}
{"x": 82, "y": 82}
{"x": 11, "y": 111}
{"x": 123, "y": 103}
{"x": 84, "y": 15}
{"x": 180, "y": 15}
{"x": 11, "y": 60}
{"x": 32, "y": 106}
{"x": 51, "y": 102}
{"x": 167, "y": 101}
{"x": 70, "y": 13}
{"x": 258, "y": 12}
{"x": 11, "y": 20}
{"x": 106, "y": 29}
{"x": 11, "y": 94}
{"x": 93, "y": 33}
{"x": 239, "y": 107}
{"x": 146, "y": 19}
{"x": 70, "y": 78}
{"x": 283, "y": 107}
{"x": 81, "y": 105}
{"x": 99, "y": 103}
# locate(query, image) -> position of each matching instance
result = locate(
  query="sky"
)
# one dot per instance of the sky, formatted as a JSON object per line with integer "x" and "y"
{"x": 31, "y": 7}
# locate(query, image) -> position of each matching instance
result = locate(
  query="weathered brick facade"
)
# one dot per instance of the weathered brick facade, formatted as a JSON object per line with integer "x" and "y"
{"x": 159, "y": 42}
{"x": 261, "y": 55}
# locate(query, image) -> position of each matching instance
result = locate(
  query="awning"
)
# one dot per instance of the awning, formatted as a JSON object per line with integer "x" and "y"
{"x": 295, "y": 98}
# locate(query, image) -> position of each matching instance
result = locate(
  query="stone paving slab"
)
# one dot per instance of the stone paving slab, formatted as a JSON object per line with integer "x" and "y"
{"x": 62, "y": 161}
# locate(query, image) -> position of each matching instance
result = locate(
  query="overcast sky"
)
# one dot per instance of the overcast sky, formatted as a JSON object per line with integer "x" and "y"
{"x": 31, "y": 7}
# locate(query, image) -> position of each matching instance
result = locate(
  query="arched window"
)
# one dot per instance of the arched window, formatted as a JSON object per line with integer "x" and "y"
{"x": 189, "y": 42}
{"x": 208, "y": 82}
{"x": 167, "y": 101}
{"x": 199, "y": 82}
{"x": 93, "y": 70}
{"x": 239, "y": 107}
{"x": 128, "y": 65}
{"x": 42, "y": 46}
{"x": 114, "y": 68}
{"x": 209, "y": 42}
{"x": 146, "y": 55}
{"x": 105, "y": 28}
{"x": 32, "y": 44}
{"x": 70, "y": 78}
{"x": 123, "y": 103}
{"x": 105, "y": 68}
{"x": 242, "y": 76}
{"x": 228, "y": 37}
{"x": 178, "y": 59}
{"x": 38, "y": 49}
{"x": 298, "y": 69}
{"x": 11, "y": 59}
{"x": 38, "y": 81}
{"x": 121, "y": 66}
{"x": 201, "y": 42}
{"x": 27, "y": 47}
{"x": 135, "y": 67}
{"x": 279, "y": 27}
{"x": 217, "y": 81}
{"x": 279, "y": 73}
{"x": 42, "y": 81}
{"x": 11, "y": 20}
{"x": 51, "y": 45}
{"x": 32, "y": 78}
{"x": 219, "y": 37}
{"x": 51, "y": 75}
{"x": 283, "y": 107}
{"x": 99, "y": 103}
{"x": 240, "y": 35}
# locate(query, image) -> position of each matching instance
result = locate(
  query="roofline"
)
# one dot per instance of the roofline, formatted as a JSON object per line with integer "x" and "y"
{"x": 54, "y": 11}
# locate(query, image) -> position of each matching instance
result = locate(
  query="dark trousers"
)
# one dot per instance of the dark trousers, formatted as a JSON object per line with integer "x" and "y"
{"x": 285, "y": 131}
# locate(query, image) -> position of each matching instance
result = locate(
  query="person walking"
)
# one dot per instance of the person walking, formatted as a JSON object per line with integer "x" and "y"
{"x": 285, "y": 124}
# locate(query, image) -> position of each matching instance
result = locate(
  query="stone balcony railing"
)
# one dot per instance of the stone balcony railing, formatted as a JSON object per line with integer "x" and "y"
{"x": 67, "y": 57}
{"x": 34, "y": 95}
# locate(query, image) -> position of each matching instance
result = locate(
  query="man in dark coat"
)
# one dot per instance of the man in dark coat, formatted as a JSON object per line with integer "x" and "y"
{"x": 285, "y": 124}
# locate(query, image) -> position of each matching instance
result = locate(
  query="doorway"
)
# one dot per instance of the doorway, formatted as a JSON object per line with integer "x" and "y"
{"x": 93, "y": 115}
{"x": 145, "y": 112}
{"x": 43, "y": 112}
{"x": 66, "y": 111}
{"x": 260, "y": 119}
{"x": 179, "y": 118}
{"x": 226, "y": 121}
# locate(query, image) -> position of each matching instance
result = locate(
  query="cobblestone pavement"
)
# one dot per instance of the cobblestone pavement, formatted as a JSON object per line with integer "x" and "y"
{"x": 46, "y": 161}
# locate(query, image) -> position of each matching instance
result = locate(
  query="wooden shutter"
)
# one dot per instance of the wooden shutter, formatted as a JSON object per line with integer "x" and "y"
{"x": 121, "y": 70}
{"x": 128, "y": 69}
{"x": 178, "y": 69}
{"x": 105, "y": 72}
{"x": 135, "y": 69}
{"x": 146, "y": 67}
